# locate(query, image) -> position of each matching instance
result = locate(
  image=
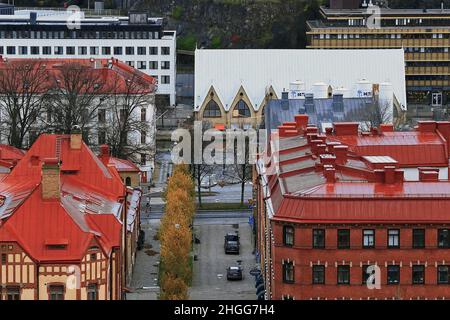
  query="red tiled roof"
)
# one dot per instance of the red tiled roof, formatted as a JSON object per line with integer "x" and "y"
{"x": 9, "y": 155}
{"x": 112, "y": 73}
{"x": 88, "y": 210}
{"x": 408, "y": 148}
{"x": 328, "y": 183}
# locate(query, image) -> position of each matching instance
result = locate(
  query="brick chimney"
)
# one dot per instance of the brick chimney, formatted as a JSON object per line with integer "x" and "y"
{"x": 346, "y": 128}
{"x": 50, "y": 179}
{"x": 75, "y": 138}
{"x": 301, "y": 121}
{"x": 340, "y": 152}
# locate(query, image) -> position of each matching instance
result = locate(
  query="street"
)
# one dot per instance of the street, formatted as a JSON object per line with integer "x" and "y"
{"x": 210, "y": 280}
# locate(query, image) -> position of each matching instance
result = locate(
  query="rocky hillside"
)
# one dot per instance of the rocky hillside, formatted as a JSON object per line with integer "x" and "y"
{"x": 236, "y": 23}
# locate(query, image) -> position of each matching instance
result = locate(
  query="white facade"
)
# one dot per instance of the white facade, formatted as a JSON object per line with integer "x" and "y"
{"x": 151, "y": 50}
{"x": 256, "y": 70}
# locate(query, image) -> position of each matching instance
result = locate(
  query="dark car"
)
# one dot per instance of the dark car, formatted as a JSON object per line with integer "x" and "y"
{"x": 231, "y": 244}
{"x": 234, "y": 273}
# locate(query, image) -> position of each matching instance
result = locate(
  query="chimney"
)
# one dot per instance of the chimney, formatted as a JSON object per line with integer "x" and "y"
{"x": 50, "y": 179}
{"x": 327, "y": 159}
{"x": 341, "y": 154}
{"x": 104, "y": 150}
{"x": 330, "y": 173}
{"x": 75, "y": 138}
{"x": 386, "y": 128}
{"x": 346, "y": 128}
{"x": 285, "y": 95}
{"x": 301, "y": 121}
{"x": 338, "y": 102}
{"x": 426, "y": 126}
{"x": 389, "y": 174}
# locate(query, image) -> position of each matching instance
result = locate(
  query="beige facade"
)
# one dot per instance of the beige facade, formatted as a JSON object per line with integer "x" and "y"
{"x": 240, "y": 114}
{"x": 95, "y": 277}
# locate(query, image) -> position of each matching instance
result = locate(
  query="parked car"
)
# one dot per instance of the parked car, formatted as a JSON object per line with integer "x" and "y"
{"x": 234, "y": 273}
{"x": 209, "y": 181}
{"x": 231, "y": 244}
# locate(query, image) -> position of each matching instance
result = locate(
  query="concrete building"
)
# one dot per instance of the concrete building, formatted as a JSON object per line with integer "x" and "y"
{"x": 69, "y": 225}
{"x": 327, "y": 211}
{"x": 423, "y": 35}
{"x": 232, "y": 87}
{"x": 138, "y": 40}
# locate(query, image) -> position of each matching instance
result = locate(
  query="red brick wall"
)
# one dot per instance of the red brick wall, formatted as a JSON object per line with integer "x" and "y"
{"x": 303, "y": 254}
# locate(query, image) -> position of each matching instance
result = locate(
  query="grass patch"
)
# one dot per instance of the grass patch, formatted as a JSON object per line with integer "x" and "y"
{"x": 222, "y": 206}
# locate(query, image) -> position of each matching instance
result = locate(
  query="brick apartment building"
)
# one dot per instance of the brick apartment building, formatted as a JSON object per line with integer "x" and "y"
{"x": 329, "y": 206}
{"x": 68, "y": 224}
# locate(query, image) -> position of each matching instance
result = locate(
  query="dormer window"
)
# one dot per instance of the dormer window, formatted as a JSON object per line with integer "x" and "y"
{"x": 56, "y": 244}
{"x": 2, "y": 200}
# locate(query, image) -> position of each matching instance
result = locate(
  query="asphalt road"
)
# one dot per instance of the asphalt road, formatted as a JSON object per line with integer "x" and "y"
{"x": 210, "y": 281}
{"x": 201, "y": 215}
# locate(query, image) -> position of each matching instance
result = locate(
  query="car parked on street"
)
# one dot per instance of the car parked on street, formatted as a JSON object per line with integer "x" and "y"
{"x": 234, "y": 273}
{"x": 231, "y": 244}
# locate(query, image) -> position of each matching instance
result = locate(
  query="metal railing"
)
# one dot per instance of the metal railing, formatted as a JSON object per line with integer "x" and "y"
{"x": 87, "y": 12}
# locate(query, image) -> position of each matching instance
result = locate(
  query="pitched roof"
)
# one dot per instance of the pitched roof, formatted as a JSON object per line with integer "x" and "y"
{"x": 88, "y": 210}
{"x": 257, "y": 69}
{"x": 10, "y": 155}
{"x": 112, "y": 72}
{"x": 309, "y": 177}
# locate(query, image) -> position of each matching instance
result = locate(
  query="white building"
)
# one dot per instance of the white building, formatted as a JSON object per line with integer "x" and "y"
{"x": 228, "y": 79}
{"x": 137, "y": 40}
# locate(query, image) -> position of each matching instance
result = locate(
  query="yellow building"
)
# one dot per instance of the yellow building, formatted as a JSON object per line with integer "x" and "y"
{"x": 423, "y": 34}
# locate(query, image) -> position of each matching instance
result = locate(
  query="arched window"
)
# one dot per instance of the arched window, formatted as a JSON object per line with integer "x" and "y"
{"x": 212, "y": 110}
{"x": 128, "y": 182}
{"x": 243, "y": 109}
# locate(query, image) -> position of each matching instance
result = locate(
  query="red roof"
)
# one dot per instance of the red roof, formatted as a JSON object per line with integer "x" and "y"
{"x": 89, "y": 208}
{"x": 113, "y": 73}
{"x": 313, "y": 178}
{"x": 10, "y": 155}
{"x": 123, "y": 165}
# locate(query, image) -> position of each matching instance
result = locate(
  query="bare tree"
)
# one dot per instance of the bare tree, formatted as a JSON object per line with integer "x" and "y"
{"x": 130, "y": 98}
{"x": 22, "y": 90}
{"x": 199, "y": 172}
{"x": 77, "y": 91}
{"x": 376, "y": 113}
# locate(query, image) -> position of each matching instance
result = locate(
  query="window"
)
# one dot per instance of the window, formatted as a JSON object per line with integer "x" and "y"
{"x": 394, "y": 238}
{"x": 92, "y": 292}
{"x": 143, "y": 137}
{"x": 10, "y": 50}
{"x": 128, "y": 181}
{"x": 165, "y": 65}
{"x": 212, "y": 110}
{"x": 393, "y": 274}
{"x": 165, "y": 79}
{"x": 153, "y": 51}
{"x": 4, "y": 258}
{"x": 56, "y": 292}
{"x": 101, "y": 137}
{"x": 318, "y": 276}
{"x": 153, "y": 65}
{"x": 288, "y": 235}
{"x": 46, "y": 50}
{"x": 343, "y": 239}
{"x": 436, "y": 99}
{"x": 93, "y": 257}
{"x": 242, "y": 109}
{"x": 288, "y": 272}
{"x": 118, "y": 50}
{"x": 106, "y": 51}
{"x": 34, "y": 50}
{"x": 443, "y": 275}
{"x": 82, "y": 51}
{"x": 23, "y": 50}
{"x": 59, "y": 50}
{"x": 93, "y": 51}
{"x": 141, "y": 65}
{"x": 143, "y": 114}
{"x": 343, "y": 275}
{"x": 368, "y": 238}
{"x": 1, "y": 49}
{"x": 101, "y": 115}
{"x": 130, "y": 63}
{"x": 129, "y": 50}
{"x": 418, "y": 274}
{"x": 12, "y": 293}
{"x": 318, "y": 238}
{"x": 141, "y": 51}
{"x": 70, "y": 50}
{"x": 418, "y": 238}
{"x": 443, "y": 238}
{"x": 165, "y": 51}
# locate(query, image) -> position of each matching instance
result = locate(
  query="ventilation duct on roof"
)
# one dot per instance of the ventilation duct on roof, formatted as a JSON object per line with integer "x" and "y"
{"x": 309, "y": 103}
